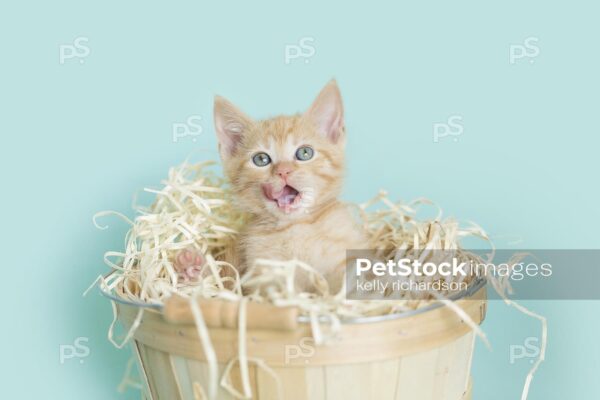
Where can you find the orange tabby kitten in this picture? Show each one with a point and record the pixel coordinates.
(286, 172)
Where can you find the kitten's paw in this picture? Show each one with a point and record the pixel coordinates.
(188, 264)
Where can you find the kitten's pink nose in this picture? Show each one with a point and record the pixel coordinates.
(283, 169)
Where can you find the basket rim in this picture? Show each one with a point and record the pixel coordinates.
(478, 283)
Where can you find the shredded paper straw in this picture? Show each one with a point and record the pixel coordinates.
(193, 212)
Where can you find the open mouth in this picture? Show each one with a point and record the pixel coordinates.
(287, 199)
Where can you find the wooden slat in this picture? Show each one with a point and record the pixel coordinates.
(444, 372)
(315, 383)
(146, 393)
(458, 380)
(160, 374)
(296, 383)
(291, 381)
(199, 373)
(469, 393)
(417, 376)
(236, 378)
(182, 377)
(375, 380)
(219, 313)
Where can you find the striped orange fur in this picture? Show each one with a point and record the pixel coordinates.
(292, 201)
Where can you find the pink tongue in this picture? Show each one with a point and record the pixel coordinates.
(287, 196)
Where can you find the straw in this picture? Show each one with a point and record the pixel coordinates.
(209, 351)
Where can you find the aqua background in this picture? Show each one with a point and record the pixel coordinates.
(78, 138)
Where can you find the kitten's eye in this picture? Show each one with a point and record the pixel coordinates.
(261, 159)
(305, 153)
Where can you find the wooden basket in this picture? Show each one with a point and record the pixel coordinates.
(423, 355)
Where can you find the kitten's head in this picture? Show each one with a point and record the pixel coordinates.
(284, 166)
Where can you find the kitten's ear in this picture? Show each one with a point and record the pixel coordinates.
(230, 124)
(327, 112)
